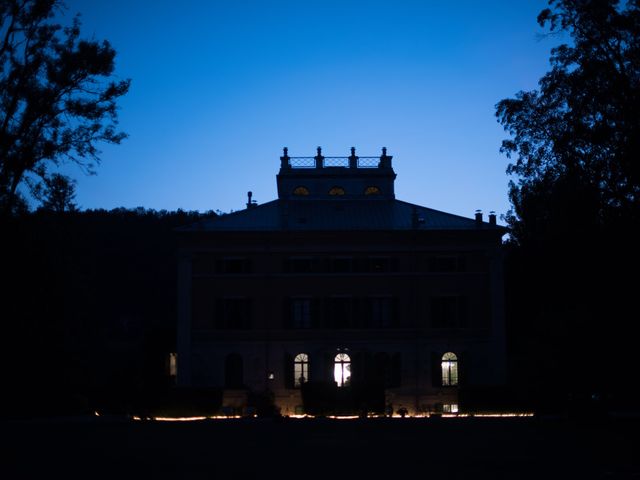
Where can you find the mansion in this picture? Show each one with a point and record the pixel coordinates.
(338, 297)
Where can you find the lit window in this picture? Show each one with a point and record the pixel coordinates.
(336, 191)
(173, 364)
(372, 191)
(450, 408)
(302, 191)
(342, 370)
(301, 369)
(449, 369)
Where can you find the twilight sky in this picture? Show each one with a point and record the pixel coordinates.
(219, 87)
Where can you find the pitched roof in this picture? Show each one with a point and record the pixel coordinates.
(336, 215)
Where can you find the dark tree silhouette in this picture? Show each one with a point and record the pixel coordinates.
(89, 304)
(58, 193)
(583, 123)
(57, 95)
(575, 200)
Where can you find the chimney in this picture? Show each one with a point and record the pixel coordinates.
(478, 218)
(250, 203)
(492, 218)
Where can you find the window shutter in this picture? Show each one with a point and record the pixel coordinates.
(391, 264)
(357, 367)
(288, 370)
(463, 311)
(355, 313)
(329, 321)
(395, 312)
(247, 314)
(287, 317)
(218, 314)
(462, 263)
(436, 369)
(328, 367)
(463, 369)
(396, 370)
(316, 313)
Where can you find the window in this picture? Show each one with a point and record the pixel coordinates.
(381, 312)
(446, 264)
(379, 264)
(449, 311)
(449, 369)
(341, 265)
(233, 265)
(301, 313)
(232, 313)
(301, 265)
(173, 364)
(375, 264)
(372, 190)
(301, 369)
(336, 191)
(342, 370)
(450, 408)
(301, 191)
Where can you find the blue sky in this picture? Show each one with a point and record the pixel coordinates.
(219, 87)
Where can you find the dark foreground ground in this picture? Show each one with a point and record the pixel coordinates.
(463, 448)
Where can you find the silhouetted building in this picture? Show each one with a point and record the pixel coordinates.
(336, 286)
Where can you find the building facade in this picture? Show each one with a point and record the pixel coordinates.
(338, 293)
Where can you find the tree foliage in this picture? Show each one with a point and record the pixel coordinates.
(58, 194)
(89, 305)
(575, 193)
(580, 132)
(58, 95)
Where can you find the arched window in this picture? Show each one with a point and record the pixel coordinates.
(342, 370)
(372, 190)
(336, 191)
(449, 369)
(301, 191)
(301, 369)
(233, 371)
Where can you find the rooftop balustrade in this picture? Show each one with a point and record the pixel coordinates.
(321, 162)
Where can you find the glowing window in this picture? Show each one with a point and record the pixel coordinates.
(173, 364)
(302, 191)
(449, 369)
(336, 191)
(372, 191)
(301, 369)
(450, 408)
(342, 370)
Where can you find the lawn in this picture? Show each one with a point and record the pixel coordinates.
(469, 448)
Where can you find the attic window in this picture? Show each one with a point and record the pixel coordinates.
(372, 190)
(302, 191)
(336, 191)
